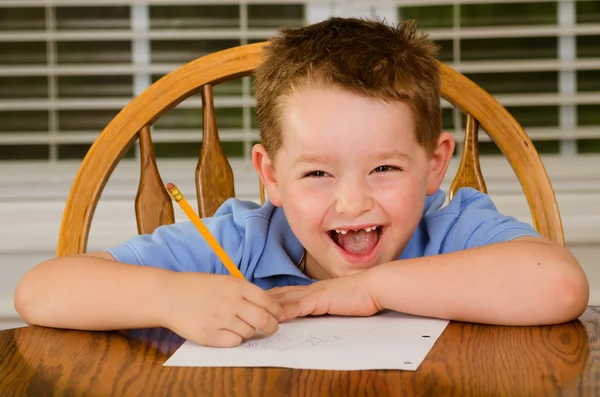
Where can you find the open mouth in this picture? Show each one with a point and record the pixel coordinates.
(357, 242)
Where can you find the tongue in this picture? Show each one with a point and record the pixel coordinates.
(358, 243)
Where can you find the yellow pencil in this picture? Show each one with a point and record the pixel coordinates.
(212, 242)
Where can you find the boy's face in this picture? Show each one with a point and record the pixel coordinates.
(350, 177)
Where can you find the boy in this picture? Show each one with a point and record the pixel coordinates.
(352, 157)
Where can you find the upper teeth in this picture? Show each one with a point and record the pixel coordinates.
(368, 229)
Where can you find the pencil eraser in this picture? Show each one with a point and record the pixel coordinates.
(170, 186)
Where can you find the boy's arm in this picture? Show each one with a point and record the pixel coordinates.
(93, 292)
(527, 281)
(124, 287)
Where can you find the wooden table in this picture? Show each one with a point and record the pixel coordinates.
(467, 360)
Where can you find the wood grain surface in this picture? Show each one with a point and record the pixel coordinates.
(467, 360)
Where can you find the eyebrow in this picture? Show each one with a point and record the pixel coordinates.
(391, 154)
(312, 159)
(324, 159)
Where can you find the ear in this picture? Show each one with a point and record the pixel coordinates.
(439, 162)
(265, 169)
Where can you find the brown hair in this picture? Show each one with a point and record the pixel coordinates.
(363, 56)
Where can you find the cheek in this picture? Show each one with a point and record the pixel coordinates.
(308, 193)
(306, 203)
(403, 199)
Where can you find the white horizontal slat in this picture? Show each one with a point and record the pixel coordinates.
(582, 98)
(542, 134)
(544, 99)
(235, 135)
(460, 33)
(405, 3)
(111, 103)
(127, 34)
(496, 66)
(413, 3)
(526, 65)
(86, 70)
(216, 34)
(225, 135)
(95, 3)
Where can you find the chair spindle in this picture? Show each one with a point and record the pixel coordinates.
(214, 176)
(469, 172)
(153, 205)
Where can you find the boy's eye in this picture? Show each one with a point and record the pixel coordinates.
(316, 174)
(385, 168)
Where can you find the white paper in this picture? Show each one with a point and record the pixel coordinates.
(388, 340)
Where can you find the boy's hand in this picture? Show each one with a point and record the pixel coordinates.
(346, 296)
(217, 310)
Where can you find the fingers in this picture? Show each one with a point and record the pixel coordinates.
(260, 298)
(305, 306)
(233, 334)
(301, 308)
(297, 301)
(280, 290)
(240, 327)
(225, 338)
(243, 326)
(290, 296)
(290, 312)
(259, 318)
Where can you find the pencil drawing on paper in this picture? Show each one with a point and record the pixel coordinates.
(284, 342)
(326, 343)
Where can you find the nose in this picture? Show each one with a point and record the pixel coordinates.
(353, 198)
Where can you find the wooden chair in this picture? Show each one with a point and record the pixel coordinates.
(214, 177)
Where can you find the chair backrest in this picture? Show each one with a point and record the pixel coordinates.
(214, 177)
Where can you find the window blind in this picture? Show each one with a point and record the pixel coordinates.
(67, 67)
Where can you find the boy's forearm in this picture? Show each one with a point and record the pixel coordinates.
(523, 282)
(85, 292)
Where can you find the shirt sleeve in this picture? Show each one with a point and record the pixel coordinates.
(473, 221)
(180, 247)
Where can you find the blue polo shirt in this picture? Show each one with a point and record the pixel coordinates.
(260, 240)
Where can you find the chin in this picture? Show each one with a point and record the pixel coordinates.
(348, 269)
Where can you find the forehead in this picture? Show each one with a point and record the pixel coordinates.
(316, 116)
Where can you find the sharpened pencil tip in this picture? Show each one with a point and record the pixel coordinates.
(170, 186)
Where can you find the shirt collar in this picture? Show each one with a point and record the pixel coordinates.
(283, 254)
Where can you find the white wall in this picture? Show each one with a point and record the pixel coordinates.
(32, 198)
